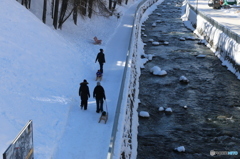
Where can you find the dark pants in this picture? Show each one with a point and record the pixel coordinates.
(99, 103)
(84, 103)
(101, 67)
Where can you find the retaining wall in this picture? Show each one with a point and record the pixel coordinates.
(123, 142)
(221, 40)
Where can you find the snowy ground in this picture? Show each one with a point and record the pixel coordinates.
(40, 72)
(41, 69)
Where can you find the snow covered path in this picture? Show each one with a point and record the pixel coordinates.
(84, 137)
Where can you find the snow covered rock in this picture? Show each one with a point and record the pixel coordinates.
(180, 149)
(155, 43)
(162, 73)
(183, 79)
(165, 43)
(154, 24)
(143, 61)
(144, 114)
(155, 70)
(158, 21)
(182, 39)
(150, 40)
(201, 56)
(161, 109)
(149, 56)
(169, 110)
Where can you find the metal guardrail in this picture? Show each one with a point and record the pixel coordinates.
(132, 51)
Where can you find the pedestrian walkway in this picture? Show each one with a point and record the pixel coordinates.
(92, 141)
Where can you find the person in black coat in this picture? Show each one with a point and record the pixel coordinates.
(99, 95)
(101, 59)
(84, 94)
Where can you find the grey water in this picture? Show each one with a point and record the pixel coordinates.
(211, 120)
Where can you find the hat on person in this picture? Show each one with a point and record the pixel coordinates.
(98, 83)
(84, 82)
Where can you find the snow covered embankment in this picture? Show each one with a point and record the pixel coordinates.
(124, 144)
(221, 40)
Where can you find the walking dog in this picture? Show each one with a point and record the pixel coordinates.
(98, 75)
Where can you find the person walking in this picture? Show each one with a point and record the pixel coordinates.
(84, 94)
(101, 59)
(99, 95)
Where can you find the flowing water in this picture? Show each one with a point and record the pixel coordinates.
(211, 120)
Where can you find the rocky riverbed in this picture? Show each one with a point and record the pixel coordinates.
(210, 119)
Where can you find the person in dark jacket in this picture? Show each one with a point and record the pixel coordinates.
(101, 59)
(99, 95)
(84, 94)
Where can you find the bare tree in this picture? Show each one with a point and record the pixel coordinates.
(52, 8)
(62, 13)
(44, 11)
(83, 7)
(75, 11)
(55, 17)
(90, 6)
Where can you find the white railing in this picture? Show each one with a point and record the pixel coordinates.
(123, 142)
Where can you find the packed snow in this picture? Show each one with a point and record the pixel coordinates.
(41, 69)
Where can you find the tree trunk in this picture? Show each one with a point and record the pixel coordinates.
(44, 11)
(114, 5)
(52, 8)
(110, 5)
(55, 17)
(29, 4)
(75, 11)
(62, 13)
(90, 7)
(83, 7)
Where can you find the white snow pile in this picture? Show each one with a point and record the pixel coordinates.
(150, 40)
(144, 114)
(182, 39)
(157, 71)
(183, 79)
(161, 109)
(147, 57)
(169, 110)
(166, 43)
(154, 24)
(155, 43)
(180, 149)
(201, 56)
